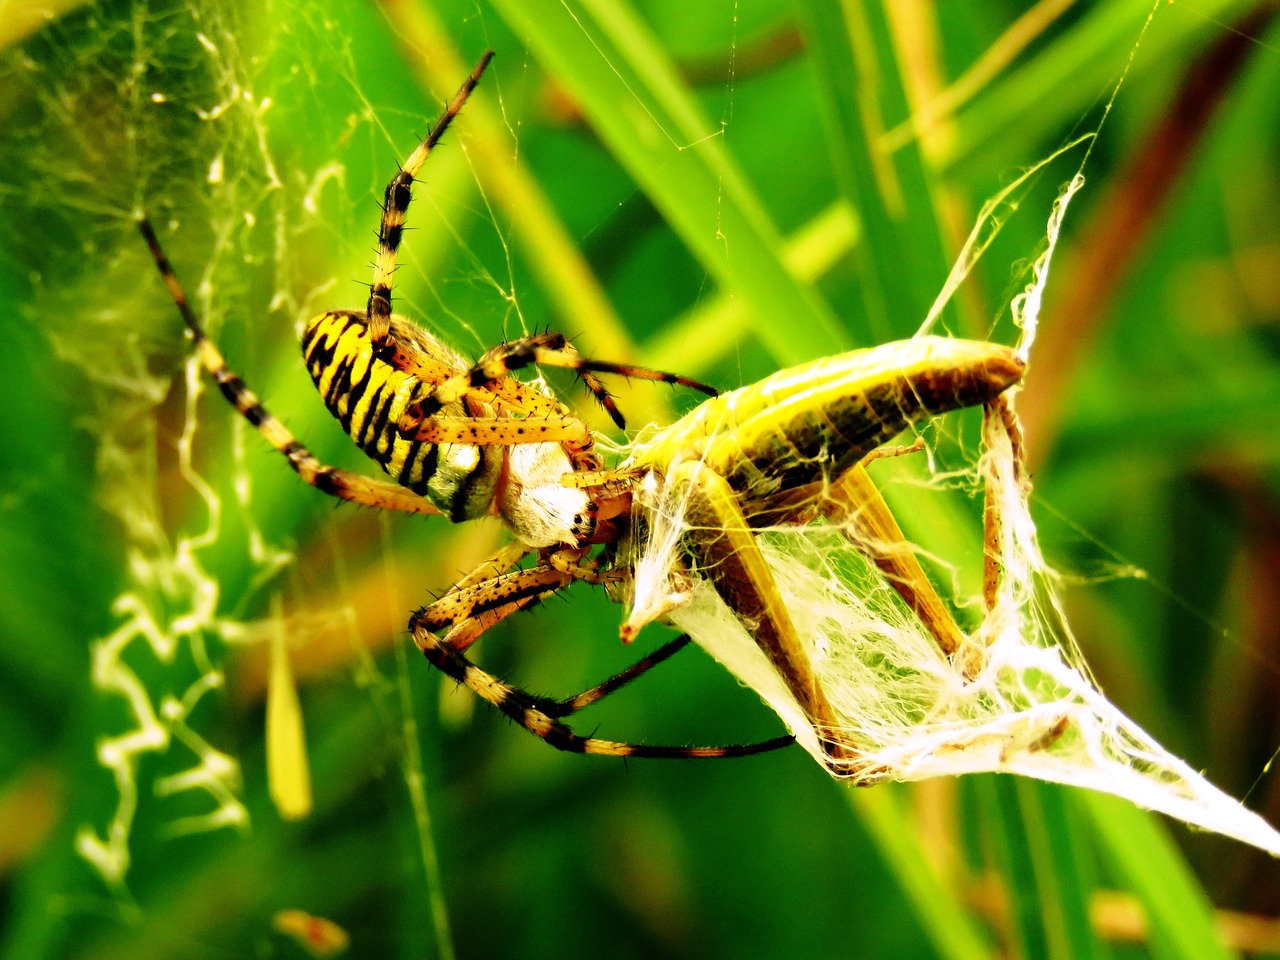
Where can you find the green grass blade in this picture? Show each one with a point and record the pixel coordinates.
(1039, 848)
(652, 124)
(1079, 67)
(902, 262)
(947, 924)
(1179, 916)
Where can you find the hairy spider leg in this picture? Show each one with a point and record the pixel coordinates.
(570, 705)
(343, 484)
(497, 431)
(551, 349)
(494, 587)
(396, 204)
(470, 611)
(548, 350)
(541, 715)
(506, 592)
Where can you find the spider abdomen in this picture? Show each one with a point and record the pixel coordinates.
(368, 397)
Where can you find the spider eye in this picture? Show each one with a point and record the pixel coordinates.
(584, 525)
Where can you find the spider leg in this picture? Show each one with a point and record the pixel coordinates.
(492, 592)
(527, 711)
(562, 708)
(469, 611)
(506, 557)
(396, 204)
(542, 418)
(343, 484)
(464, 634)
(500, 431)
(486, 602)
(548, 350)
(608, 482)
(572, 564)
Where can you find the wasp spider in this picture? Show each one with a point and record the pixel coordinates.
(466, 440)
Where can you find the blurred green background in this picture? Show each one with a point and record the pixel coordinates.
(720, 188)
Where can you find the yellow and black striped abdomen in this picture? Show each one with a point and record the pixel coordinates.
(368, 397)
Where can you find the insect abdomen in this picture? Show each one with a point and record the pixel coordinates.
(820, 418)
(368, 396)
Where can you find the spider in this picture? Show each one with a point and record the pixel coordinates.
(466, 440)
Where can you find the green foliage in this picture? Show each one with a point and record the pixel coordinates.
(694, 183)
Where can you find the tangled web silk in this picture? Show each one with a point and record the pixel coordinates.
(1025, 704)
(1031, 709)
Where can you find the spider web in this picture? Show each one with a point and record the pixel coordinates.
(258, 159)
(258, 154)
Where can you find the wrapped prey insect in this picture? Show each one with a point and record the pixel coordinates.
(720, 490)
(756, 530)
